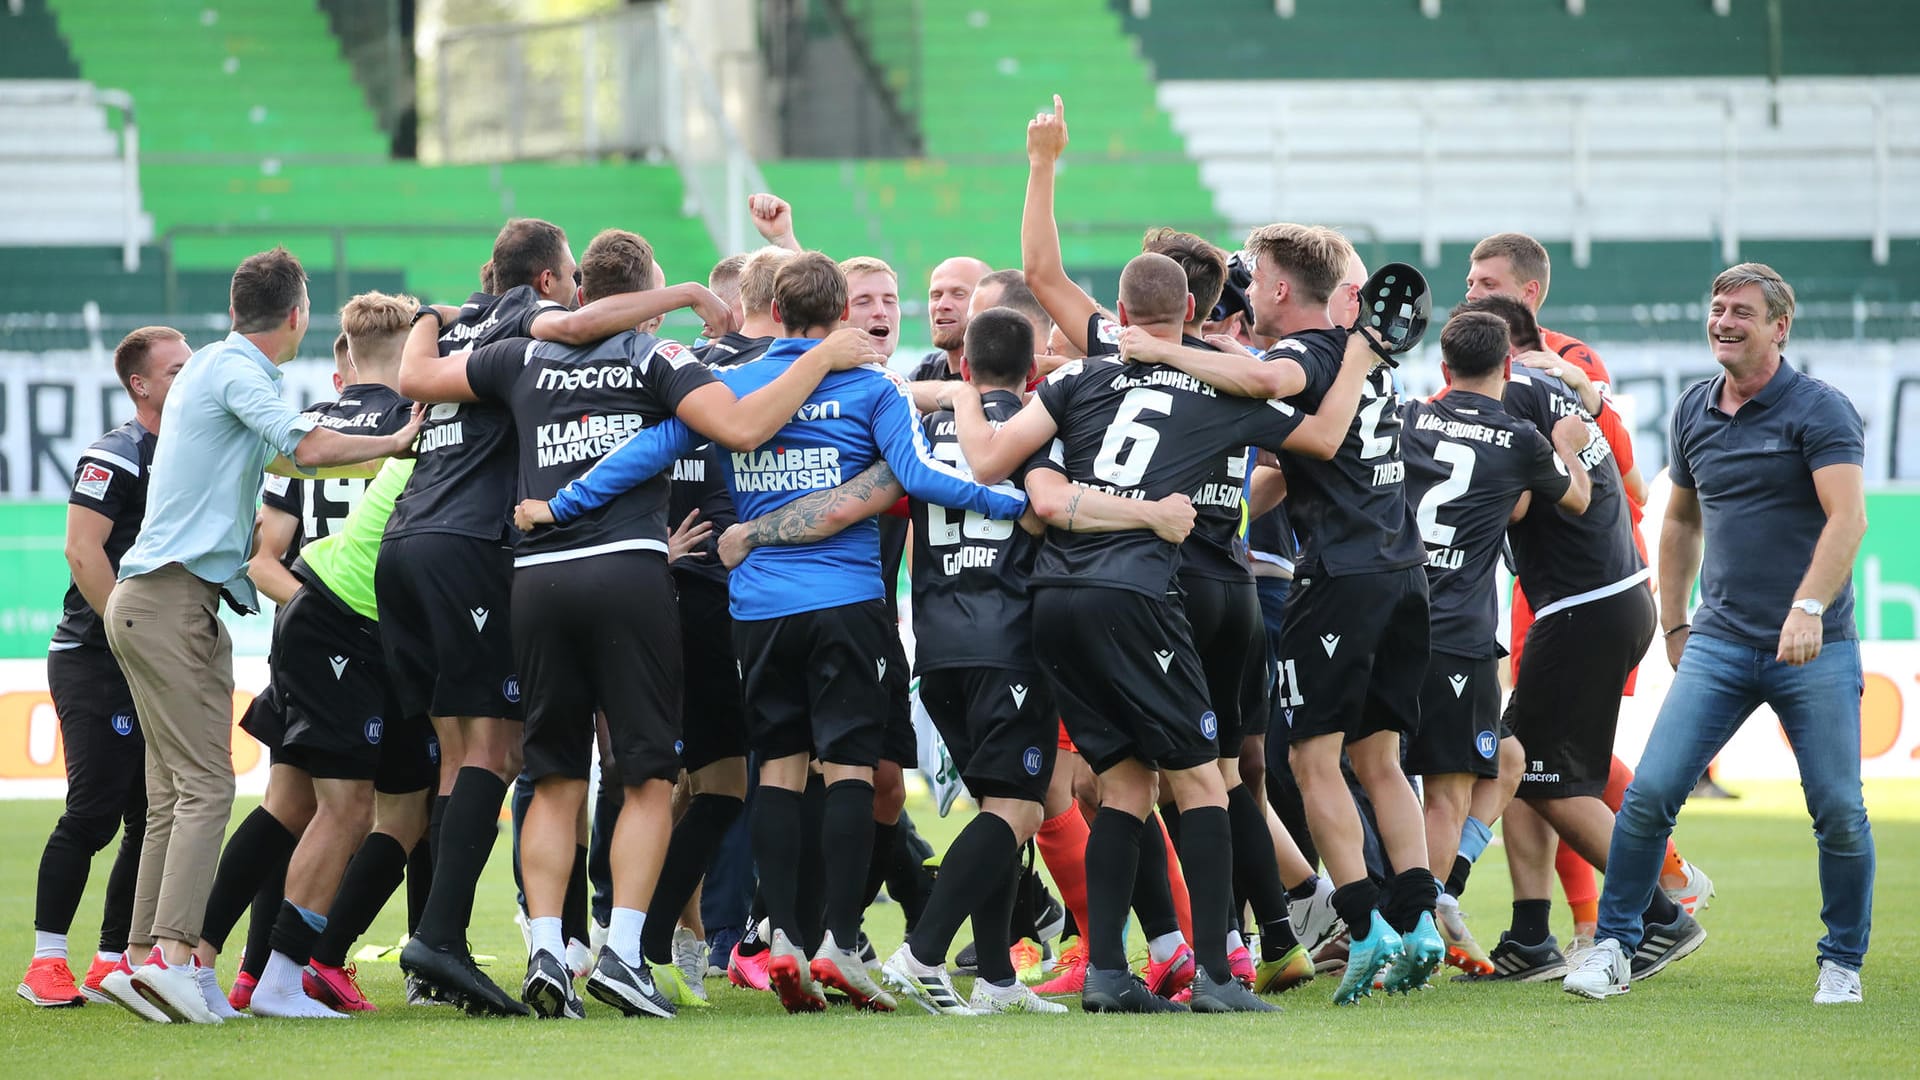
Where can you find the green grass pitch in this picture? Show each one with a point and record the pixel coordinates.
(1741, 1006)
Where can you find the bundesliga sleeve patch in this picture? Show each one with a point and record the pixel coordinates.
(676, 354)
(277, 485)
(1292, 345)
(1109, 332)
(94, 481)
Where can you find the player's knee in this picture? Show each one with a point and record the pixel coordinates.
(89, 831)
(1839, 820)
(1513, 758)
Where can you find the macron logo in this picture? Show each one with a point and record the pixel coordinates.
(1019, 696)
(338, 664)
(1329, 642)
(1165, 658)
(1458, 682)
(818, 410)
(880, 667)
(479, 619)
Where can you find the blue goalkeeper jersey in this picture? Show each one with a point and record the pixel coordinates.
(851, 420)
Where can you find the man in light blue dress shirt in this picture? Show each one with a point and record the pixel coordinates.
(226, 423)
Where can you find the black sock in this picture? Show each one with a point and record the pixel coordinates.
(885, 840)
(1206, 854)
(847, 851)
(694, 841)
(1305, 889)
(606, 812)
(1152, 897)
(255, 849)
(1412, 895)
(810, 901)
(1354, 904)
(419, 881)
(992, 938)
(1457, 879)
(1257, 871)
(467, 832)
(1113, 857)
(292, 936)
(573, 906)
(751, 943)
(777, 841)
(265, 911)
(1170, 816)
(1661, 910)
(371, 877)
(983, 853)
(1530, 921)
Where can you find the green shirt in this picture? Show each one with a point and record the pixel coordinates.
(344, 561)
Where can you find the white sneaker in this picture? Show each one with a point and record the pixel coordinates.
(690, 956)
(1314, 919)
(1694, 896)
(215, 997)
(843, 970)
(925, 985)
(1837, 985)
(579, 960)
(1601, 972)
(118, 986)
(173, 990)
(526, 928)
(1578, 947)
(990, 1000)
(596, 936)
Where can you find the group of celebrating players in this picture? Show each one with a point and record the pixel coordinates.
(1137, 536)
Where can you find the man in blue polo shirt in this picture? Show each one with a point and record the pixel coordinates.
(1766, 468)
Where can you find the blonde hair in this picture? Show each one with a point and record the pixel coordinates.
(1527, 256)
(756, 279)
(376, 324)
(1313, 257)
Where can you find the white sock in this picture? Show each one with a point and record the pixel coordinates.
(47, 945)
(1161, 949)
(545, 933)
(623, 934)
(1235, 942)
(281, 977)
(109, 957)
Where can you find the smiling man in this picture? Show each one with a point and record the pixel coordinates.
(949, 291)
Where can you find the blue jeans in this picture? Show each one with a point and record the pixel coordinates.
(1718, 686)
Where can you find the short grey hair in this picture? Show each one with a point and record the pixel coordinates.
(1779, 294)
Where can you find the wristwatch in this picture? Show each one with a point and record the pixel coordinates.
(1811, 606)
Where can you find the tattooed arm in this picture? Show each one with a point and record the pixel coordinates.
(814, 517)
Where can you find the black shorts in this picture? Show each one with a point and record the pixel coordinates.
(1353, 653)
(899, 744)
(713, 716)
(445, 626)
(1232, 643)
(815, 682)
(1566, 699)
(264, 719)
(1125, 676)
(600, 632)
(999, 726)
(1460, 722)
(106, 756)
(330, 678)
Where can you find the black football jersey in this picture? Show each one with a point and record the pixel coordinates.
(1556, 554)
(463, 470)
(699, 483)
(1270, 537)
(573, 405)
(111, 480)
(1141, 431)
(1349, 514)
(970, 573)
(1468, 463)
(321, 505)
(933, 368)
(1214, 549)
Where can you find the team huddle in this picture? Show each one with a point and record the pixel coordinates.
(1203, 608)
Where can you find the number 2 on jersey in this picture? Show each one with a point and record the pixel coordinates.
(1130, 444)
(1460, 460)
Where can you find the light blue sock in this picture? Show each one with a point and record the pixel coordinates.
(313, 919)
(1474, 838)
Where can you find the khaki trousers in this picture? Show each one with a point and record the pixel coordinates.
(165, 630)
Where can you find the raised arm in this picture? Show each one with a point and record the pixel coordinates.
(611, 315)
(773, 220)
(814, 516)
(425, 375)
(1235, 372)
(744, 423)
(995, 453)
(1072, 507)
(1040, 258)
